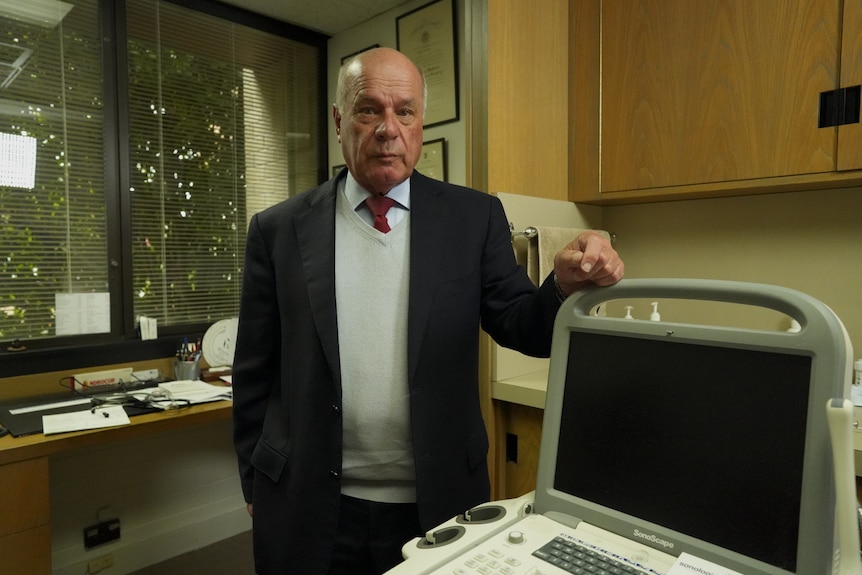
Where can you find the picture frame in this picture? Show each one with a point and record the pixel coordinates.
(432, 162)
(426, 35)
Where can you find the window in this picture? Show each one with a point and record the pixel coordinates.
(141, 192)
(53, 219)
(219, 127)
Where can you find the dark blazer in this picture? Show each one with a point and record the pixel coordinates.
(286, 374)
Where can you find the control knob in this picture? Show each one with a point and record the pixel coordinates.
(515, 537)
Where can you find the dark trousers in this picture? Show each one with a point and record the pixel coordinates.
(371, 534)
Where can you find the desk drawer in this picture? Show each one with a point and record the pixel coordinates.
(27, 552)
(24, 496)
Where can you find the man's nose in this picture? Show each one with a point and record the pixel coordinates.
(386, 128)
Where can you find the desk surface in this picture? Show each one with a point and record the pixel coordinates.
(14, 449)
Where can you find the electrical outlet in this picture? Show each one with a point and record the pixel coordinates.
(100, 563)
(108, 377)
(102, 532)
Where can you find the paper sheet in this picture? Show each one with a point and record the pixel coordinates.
(196, 391)
(80, 313)
(108, 416)
(191, 391)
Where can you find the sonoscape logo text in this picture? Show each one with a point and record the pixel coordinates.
(653, 539)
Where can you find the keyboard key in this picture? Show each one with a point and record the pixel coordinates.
(581, 560)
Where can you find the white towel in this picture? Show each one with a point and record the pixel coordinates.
(537, 253)
(521, 247)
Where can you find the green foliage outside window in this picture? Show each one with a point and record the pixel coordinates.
(222, 122)
(187, 186)
(53, 236)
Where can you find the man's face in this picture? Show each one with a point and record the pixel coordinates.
(380, 128)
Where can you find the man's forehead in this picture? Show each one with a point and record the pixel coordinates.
(402, 93)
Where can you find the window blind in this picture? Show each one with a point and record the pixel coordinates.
(219, 128)
(223, 121)
(52, 211)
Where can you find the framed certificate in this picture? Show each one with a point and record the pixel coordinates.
(432, 162)
(427, 36)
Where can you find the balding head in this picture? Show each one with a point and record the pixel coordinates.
(380, 100)
(352, 69)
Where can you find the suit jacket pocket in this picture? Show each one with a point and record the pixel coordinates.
(268, 461)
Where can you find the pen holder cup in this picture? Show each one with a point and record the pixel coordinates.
(184, 370)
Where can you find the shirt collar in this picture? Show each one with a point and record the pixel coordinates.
(356, 194)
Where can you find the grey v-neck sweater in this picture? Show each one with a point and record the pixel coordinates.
(372, 280)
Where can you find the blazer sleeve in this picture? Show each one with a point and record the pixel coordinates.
(514, 312)
(256, 360)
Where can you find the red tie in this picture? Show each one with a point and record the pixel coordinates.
(379, 205)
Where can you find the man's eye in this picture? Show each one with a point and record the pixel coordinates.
(405, 112)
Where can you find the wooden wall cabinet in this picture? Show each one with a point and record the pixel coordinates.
(527, 98)
(674, 99)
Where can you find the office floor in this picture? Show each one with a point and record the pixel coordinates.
(232, 556)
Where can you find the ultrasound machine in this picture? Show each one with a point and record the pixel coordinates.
(675, 448)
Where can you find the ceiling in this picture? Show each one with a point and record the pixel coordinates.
(327, 16)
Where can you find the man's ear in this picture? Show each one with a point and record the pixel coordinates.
(337, 118)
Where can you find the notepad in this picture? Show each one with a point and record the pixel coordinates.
(107, 416)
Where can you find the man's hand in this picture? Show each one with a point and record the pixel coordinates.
(589, 258)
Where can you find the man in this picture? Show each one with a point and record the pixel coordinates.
(356, 411)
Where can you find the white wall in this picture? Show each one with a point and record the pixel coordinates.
(173, 492)
(808, 241)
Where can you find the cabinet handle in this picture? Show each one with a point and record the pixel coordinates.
(512, 447)
(839, 107)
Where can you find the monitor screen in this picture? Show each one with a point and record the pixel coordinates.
(704, 440)
(710, 440)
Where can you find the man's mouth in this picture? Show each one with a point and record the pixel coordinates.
(388, 157)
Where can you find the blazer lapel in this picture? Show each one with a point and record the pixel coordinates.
(428, 216)
(315, 230)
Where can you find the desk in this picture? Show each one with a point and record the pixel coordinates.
(25, 529)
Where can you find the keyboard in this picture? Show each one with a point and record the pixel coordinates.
(581, 560)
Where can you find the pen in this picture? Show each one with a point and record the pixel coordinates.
(188, 351)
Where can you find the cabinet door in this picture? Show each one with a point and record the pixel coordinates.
(528, 93)
(699, 93)
(25, 533)
(24, 496)
(850, 135)
(518, 445)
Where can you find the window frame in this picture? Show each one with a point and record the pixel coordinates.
(123, 344)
